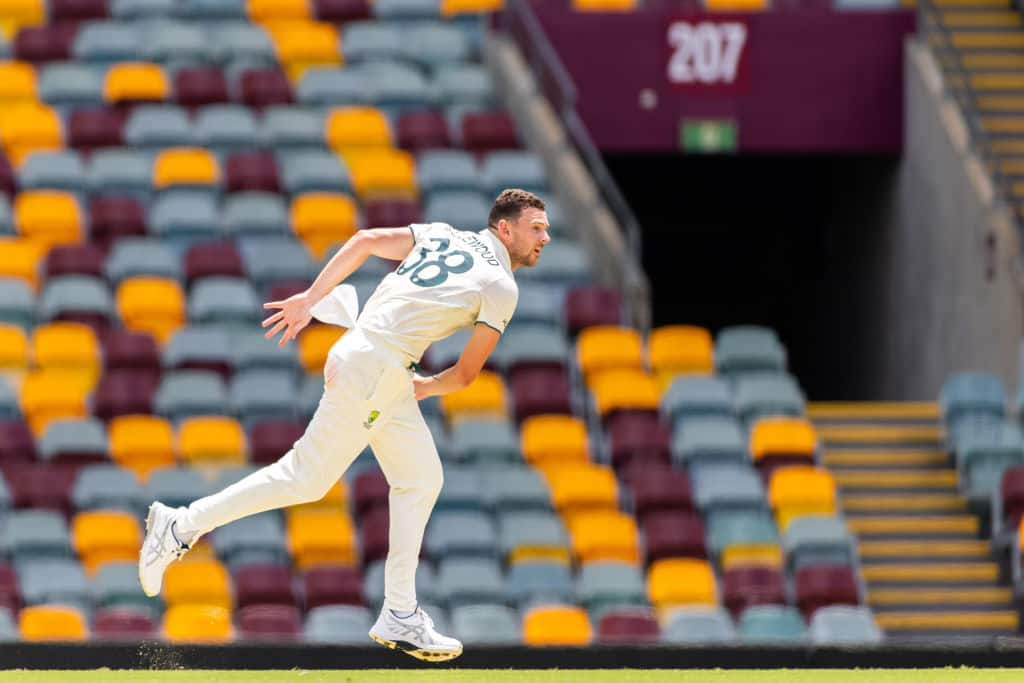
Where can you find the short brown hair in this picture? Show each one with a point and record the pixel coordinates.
(510, 203)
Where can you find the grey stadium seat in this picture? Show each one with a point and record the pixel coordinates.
(772, 624)
(250, 350)
(154, 126)
(75, 294)
(441, 170)
(728, 486)
(106, 42)
(242, 41)
(262, 394)
(142, 9)
(509, 168)
(604, 585)
(485, 441)
(10, 408)
(693, 625)
(696, 396)
(844, 625)
(747, 527)
(531, 528)
(184, 218)
(763, 395)
(461, 534)
(258, 539)
(515, 487)
(176, 486)
(286, 127)
(116, 584)
(225, 128)
(6, 217)
(394, 84)
(444, 352)
(175, 44)
(121, 171)
(563, 263)
(70, 84)
(225, 301)
(108, 487)
(338, 624)
(818, 539)
(972, 393)
(433, 44)
(254, 213)
(462, 209)
(54, 581)
(527, 344)
(462, 490)
(406, 10)
(709, 440)
(85, 437)
(17, 303)
(53, 170)
(749, 348)
(133, 256)
(464, 84)
(274, 259)
(368, 40)
(186, 393)
(196, 344)
(464, 581)
(331, 87)
(486, 624)
(314, 170)
(34, 534)
(539, 581)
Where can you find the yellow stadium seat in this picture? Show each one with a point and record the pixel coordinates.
(198, 624)
(450, 8)
(554, 439)
(153, 305)
(336, 498)
(199, 581)
(17, 14)
(382, 173)
(755, 554)
(321, 537)
(212, 440)
(624, 390)
(801, 490)
(484, 396)
(582, 486)
(604, 535)
(546, 553)
(68, 346)
(102, 536)
(735, 5)
(134, 81)
(185, 166)
(556, 625)
(323, 219)
(353, 128)
(680, 349)
(20, 259)
(52, 623)
(48, 395)
(277, 10)
(48, 216)
(788, 437)
(301, 44)
(27, 127)
(608, 347)
(677, 581)
(604, 5)
(14, 357)
(17, 82)
(314, 343)
(141, 443)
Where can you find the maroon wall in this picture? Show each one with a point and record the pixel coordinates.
(811, 80)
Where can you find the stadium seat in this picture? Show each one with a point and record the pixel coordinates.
(51, 394)
(124, 350)
(251, 171)
(134, 82)
(382, 173)
(532, 535)
(184, 217)
(447, 170)
(673, 534)
(768, 395)
(484, 131)
(16, 442)
(197, 581)
(107, 487)
(450, 8)
(270, 439)
(322, 220)
(253, 213)
(776, 442)
(52, 623)
(49, 217)
(485, 396)
(731, 529)
(271, 259)
(763, 624)
(40, 44)
(187, 393)
(530, 346)
(485, 441)
(14, 354)
(698, 624)
(680, 349)
(462, 491)
(744, 587)
(69, 347)
(37, 534)
(465, 84)
(548, 440)
(52, 170)
(460, 534)
(513, 487)
(460, 208)
(731, 486)
(288, 128)
(188, 167)
(816, 539)
(972, 393)
(29, 127)
(691, 396)
(317, 537)
(983, 453)
(556, 625)
(844, 625)
(121, 172)
(174, 44)
(197, 623)
(314, 171)
(396, 211)
(708, 440)
(258, 539)
(338, 624)
(79, 441)
(604, 535)
(314, 343)
(261, 394)
(263, 584)
(598, 307)
(122, 624)
(211, 440)
(302, 44)
(92, 129)
(74, 259)
(200, 86)
(624, 390)
(54, 581)
(141, 443)
(264, 87)
(371, 40)
(77, 299)
(332, 585)
(464, 581)
(578, 487)
(332, 87)
(343, 11)
(818, 586)
(153, 305)
(353, 128)
(104, 536)
(748, 349)
(20, 260)
(676, 582)
(638, 440)
(223, 128)
(418, 131)
(70, 85)
(210, 259)
(17, 302)
(628, 626)
(486, 624)
(798, 490)
(532, 582)
(250, 350)
(606, 347)
(225, 301)
(269, 623)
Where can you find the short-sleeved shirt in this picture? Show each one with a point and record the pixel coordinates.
(451, 279)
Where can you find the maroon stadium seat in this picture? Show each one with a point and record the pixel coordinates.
(660, 489)
(422, 130)
(213, 258)
(125, 392)
(74, 259)
(10, 594)
(286, 288)
(488, 131)
(536, 392)
(124, 350)
(674, 534)
(200, 86)
(820, 585)
(745, 586)
(123, 623)
(392, 212)
(638, 438)
(77, 10)
(587, 306)
(265, 87)
(373, 534)
(342, 10)
(90, 129)
(264, 584)
(269, 622)
(111, 218)
(41, 485)
(333, 585)
(370, 490)
(270, 439)
(8, 182)
(622, 626)
(1012, 492)
(45, 43)
(16, 442)
(252, 171)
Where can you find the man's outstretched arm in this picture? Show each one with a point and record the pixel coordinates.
(293, 313)
(478, 349)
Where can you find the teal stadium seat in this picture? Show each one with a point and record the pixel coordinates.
(177, 486)
(54, 581)
(53, 170)
(486, 624)
(225, 128)
(748, 349)
(263, 394)
(435, 44)
(187, 393)
(175, 44)
(78, 439)
(121, 172)
(208, 10)
(727, 486)
(247, 214)
(37, 534)
(269, 259)
(338, 625)
(515, 487)
(844, 625)
(108, 487)
(699, 626)
(605, 585)
(135, 256)
(314, 170)
(485, 441)
(152, 127)
(464, 84)
(539, 582)
(250, 350)
(289, 128)
(106, 42)
(116, 584)
(75, 294)
(224, 301)
(462, 490)
(818, 539)
(17, 303)
(530, 529)
(745, 527)
(464, 581)
(983, 455)
(396, 86)
(452, 534)
(761, 624)
(443, 170)
(184, 218)
(333, 87)
(369, 40)
(708, 440)
(197, 346)
(764, 395)
(259, 539)
(972, 393)
(696, 396)
(527, 344)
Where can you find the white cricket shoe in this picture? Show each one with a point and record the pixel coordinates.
(414, 635)
(159, 548)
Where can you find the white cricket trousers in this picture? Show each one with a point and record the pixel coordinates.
(362, 375)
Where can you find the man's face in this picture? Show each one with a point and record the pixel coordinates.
(529, 234)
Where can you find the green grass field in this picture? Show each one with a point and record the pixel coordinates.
(947, 675)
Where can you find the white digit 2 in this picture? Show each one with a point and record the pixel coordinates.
(708, 53)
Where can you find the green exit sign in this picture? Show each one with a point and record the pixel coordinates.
(708, 136)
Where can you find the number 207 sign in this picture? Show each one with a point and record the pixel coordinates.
(707, 55)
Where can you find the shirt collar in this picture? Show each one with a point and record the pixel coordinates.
(499, 249)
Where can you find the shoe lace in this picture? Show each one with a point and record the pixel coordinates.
(426, 618)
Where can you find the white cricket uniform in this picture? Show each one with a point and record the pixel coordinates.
(451, 279)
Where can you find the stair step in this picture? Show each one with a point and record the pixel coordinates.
(981, 595)
(920, 502)
(992, 60)
(896, 479)
(1003, 124)
(1008, 146)
(913, 525)
(973, 3)
(918, 573)
(999, 39)
(1000, 103)
(994, 19)
(885, 458)
(879, 434)
(873, 410)
(924, 548)
(1012, 166)
(959, 621)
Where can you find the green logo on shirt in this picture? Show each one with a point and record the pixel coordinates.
(374, 414)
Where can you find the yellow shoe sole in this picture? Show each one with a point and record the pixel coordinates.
(418, 653)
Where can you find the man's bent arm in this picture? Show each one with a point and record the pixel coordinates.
(389, 243)
(478, 349)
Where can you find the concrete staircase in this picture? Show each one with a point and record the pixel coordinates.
(928, 572)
